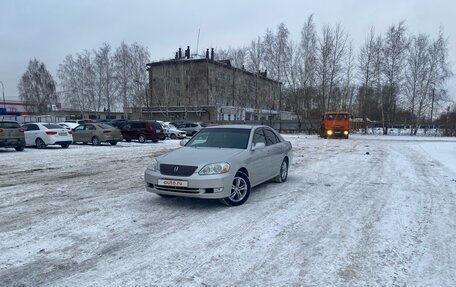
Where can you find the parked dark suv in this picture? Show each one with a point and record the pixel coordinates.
(12, 135)
(142, 131)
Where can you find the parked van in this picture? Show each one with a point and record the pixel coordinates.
(143, 131)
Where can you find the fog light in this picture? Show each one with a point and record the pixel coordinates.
(346, 133)
(219, 189)
(329, 132)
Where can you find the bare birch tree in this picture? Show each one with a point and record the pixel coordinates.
(308, 66)
(325, 48)
(366, 67)
(123, 75)
(139, 58)
(348, 80)
(104, 67)
(393, 65)
(427, 67)
(337, 56)
(254, 63)
(37, 87)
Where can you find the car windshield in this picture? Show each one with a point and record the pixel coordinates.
(221, 138)
(337, 117)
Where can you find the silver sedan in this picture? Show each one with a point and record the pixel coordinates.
(221, 162)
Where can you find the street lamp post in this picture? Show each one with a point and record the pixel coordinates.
(3, 91)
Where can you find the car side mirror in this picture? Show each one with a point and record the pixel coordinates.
(258, 146)
(183, 142)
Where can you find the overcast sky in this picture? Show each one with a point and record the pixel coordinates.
(51, 29)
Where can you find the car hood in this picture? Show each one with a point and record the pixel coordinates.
(198, 156)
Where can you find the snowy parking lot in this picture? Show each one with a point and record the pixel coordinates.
(367, 211)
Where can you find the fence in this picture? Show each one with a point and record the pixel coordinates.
(36, 119)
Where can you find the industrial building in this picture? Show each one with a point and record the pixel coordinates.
(202, 88)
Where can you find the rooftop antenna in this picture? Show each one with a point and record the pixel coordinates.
(197, 41)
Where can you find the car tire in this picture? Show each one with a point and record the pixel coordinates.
(142, 138)
(40, 143)
(128, 140)
(172, 136)
(84, 142)
(154, 141)
(19, 148)
(113, 142)
(96, 141)
(65, 145)
(283, 175)
(240, 190)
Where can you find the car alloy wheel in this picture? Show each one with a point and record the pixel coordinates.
(141, 139)
(284, 170)
(240, 190)
(173, 136)
(40, 143)
(282, 177)
(95, 141)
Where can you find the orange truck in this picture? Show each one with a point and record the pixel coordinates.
(335, 124)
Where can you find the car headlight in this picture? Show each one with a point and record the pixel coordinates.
(153, 165)
(329, 132)
(215, 168)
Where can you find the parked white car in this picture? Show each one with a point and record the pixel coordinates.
(172, 132)
(221, 162)
(44, 134)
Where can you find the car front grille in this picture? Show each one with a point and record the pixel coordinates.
(177, 189)
(177, 170)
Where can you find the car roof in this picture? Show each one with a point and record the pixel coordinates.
(237, 126)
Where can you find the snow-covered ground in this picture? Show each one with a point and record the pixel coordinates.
(367, 211)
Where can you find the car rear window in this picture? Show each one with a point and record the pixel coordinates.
(157, 125)
(9, 125)
(52, 126)
(105, 126)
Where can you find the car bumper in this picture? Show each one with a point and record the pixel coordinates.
(199, 186)
(181, 136)
(57, 140)
(12, 143)
(112, 138)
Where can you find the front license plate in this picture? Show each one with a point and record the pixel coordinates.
(172, 182)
